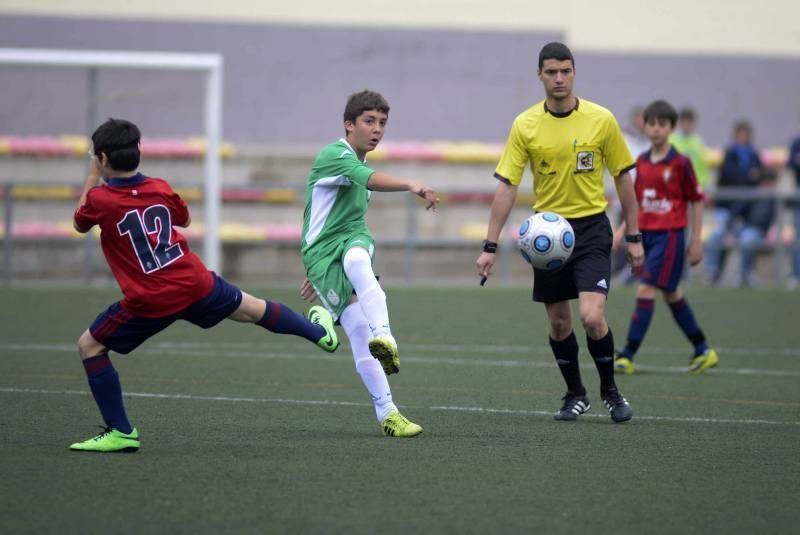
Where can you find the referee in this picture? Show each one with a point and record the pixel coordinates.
(567, 141)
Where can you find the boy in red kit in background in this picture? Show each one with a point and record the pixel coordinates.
(666, 187)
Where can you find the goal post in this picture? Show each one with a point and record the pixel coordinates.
(209, 64)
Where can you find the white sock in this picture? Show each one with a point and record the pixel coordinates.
(372, 375)
(358, 268)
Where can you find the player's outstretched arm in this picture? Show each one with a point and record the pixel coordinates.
(504, 196)
(383, 182)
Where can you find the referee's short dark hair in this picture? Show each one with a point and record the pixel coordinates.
(661, 109)
(555, 50)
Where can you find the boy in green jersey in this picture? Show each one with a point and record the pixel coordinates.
(337, 249)
(690, 144)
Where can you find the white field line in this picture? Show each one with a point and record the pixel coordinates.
(680, 349)
(268, 352)
(282, 401)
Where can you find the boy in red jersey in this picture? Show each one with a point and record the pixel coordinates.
(161, 279)
(665, 186)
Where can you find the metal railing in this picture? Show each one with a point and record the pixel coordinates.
(405, 236)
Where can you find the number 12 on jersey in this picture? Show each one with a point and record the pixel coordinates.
(154, 220)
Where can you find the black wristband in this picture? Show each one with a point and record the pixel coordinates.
(489, 246)
(633, 238)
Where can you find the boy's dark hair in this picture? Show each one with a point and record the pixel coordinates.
(661, 109)
(119, 140)
(555, 50)
(742, 125)
(362, 101)
(688, 114)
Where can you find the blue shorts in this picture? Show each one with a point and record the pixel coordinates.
(123, 332)
(663, 258)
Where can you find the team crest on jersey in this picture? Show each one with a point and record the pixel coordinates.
(667, 174)
(333, 299)
(584, 161)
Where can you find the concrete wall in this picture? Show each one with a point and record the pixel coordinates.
(286, 84)
(739, 27)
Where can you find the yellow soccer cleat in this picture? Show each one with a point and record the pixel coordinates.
(624, 365)
(397, 425)
(322, 317)
(384, 348)
(700, 363)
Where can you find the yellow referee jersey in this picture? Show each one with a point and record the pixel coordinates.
(567, 153)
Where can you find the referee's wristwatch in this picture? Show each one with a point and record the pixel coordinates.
(489, 246)
(633, 238)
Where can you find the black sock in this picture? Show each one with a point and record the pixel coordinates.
(566, 354)
(602, 352)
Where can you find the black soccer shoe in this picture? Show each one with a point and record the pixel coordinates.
(573, 407)
(617, 405)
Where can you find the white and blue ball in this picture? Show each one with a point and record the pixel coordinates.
(546, 240)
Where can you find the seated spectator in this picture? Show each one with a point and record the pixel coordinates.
(741, 169)
(755, 225)
(637, 143)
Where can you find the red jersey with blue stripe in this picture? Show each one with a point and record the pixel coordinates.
(664, 189)
(155, 269)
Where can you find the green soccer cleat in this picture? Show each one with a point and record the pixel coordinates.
(397, 425)
(322, 317)
(624, 365)
(110, 440)
(700, 363)
(384, 348)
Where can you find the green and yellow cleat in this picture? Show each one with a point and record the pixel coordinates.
(323, 318)
(700, 363)
(397, 425)
(384, 348)
(624, 365)
(110, 440)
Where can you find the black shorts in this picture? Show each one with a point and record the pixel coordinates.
(587, 270)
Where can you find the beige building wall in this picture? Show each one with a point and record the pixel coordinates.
(703, 27)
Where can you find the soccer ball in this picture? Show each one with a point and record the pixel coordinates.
(546, 240)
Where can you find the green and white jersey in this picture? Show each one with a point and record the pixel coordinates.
(336, 201)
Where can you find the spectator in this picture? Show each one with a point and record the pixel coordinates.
(741, 169)
(634, 134)
(637, 143)
(794, 165)
(688, 143)
(756, 223)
